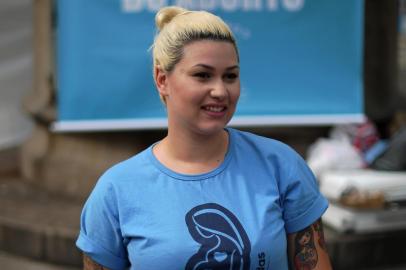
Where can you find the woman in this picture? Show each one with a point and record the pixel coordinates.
(206, 196)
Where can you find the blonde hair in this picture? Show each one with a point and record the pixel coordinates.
(178, 26)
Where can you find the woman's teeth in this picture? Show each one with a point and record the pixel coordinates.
(214, 109)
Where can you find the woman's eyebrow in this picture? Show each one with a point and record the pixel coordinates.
(212, 68)
(204, 66)
(233, 67)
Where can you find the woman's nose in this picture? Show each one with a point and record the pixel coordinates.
(219, 90)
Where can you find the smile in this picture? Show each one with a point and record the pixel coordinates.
(214, 108)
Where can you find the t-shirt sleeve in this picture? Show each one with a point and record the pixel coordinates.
(100, 235)
(302, 201)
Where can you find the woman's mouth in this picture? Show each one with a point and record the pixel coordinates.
(215, 109)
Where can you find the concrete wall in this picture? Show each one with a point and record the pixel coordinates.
(15, 70)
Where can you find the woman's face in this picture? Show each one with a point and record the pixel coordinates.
(305, 239)
(202, 90)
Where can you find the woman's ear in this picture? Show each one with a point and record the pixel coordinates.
(161, 79)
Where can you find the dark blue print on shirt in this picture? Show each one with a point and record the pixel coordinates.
(224, 244)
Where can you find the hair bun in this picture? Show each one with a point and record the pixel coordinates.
(166, 14)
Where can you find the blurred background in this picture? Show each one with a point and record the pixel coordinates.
(45, 176)
(16, 43)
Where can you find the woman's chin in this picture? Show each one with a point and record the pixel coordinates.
(212, 128)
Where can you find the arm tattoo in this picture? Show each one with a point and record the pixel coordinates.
(318, 228)
(305, 257)
(89, 264)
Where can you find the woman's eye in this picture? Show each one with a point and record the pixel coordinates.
(202, 75)
(231, 76)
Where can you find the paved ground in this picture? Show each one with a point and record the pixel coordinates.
(12, 262)
(37, 225)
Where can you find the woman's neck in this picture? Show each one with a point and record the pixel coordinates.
(192, 153)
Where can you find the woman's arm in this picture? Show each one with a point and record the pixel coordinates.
(307, 249)
(89, 264)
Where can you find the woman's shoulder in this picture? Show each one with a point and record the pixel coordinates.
(262, 144)
(129, 176)
(276, 153)
(128, 168)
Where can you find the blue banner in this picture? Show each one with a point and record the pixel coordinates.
(301, 61)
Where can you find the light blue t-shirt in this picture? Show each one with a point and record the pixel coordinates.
(145, 216)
